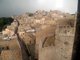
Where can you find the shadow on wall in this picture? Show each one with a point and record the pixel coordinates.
(4, 21)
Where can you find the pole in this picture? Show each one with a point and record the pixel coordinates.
(76, 46)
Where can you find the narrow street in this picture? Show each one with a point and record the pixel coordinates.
(26, 55)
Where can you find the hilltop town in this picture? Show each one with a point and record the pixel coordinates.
(41, 35)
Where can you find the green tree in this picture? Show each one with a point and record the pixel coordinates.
(1, 22)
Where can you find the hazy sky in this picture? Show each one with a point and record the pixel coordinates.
(15, 7)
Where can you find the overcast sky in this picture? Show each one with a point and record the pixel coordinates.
(16, 7)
